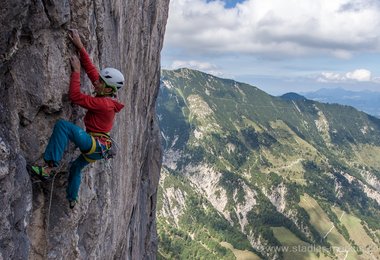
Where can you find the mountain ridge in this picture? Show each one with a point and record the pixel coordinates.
(256, 161)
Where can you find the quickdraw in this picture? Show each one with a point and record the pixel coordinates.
(105, 143)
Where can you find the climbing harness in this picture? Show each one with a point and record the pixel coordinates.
(105, 143)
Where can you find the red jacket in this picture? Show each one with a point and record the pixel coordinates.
(100, 110)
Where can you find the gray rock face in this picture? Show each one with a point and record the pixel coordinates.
(115, 218)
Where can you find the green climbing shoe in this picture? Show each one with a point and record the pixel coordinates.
(39, 172)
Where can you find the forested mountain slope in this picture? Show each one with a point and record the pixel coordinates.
(276, 177)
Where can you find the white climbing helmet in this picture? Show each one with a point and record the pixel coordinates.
(112, 77)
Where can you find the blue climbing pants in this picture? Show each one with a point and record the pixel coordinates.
(64, 132)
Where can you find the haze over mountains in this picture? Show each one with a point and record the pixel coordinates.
(246, 173)
(366, 101)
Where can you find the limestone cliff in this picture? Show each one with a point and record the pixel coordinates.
(116, 215)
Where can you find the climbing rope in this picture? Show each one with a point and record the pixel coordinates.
(48, 215)
(50, 200)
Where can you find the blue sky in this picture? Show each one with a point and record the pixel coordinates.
(229, 3)
(278, 46)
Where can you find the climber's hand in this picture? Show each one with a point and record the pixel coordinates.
(75, 38)
(75, 63)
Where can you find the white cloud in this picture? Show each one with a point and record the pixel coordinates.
(342, 54)
(330, 77)
(275, 27)
(197, 65)
(359, 75)
(376, 80)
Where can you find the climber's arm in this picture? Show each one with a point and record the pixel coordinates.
(87, 64)
(77, 97)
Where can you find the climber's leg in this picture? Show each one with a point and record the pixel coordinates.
(75, 173)
(62, 133)
(75, 178)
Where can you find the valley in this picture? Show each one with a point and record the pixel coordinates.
(246, 173)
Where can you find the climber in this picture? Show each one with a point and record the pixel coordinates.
(95, 142)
